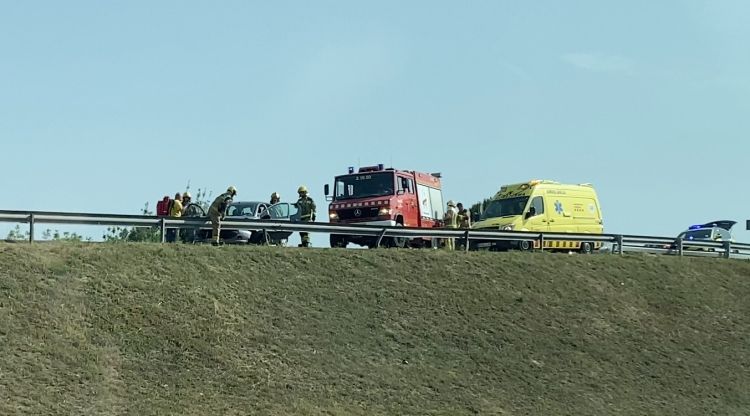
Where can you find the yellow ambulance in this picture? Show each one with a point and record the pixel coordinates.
(542, 206)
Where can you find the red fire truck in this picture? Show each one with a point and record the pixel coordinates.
(385, 196)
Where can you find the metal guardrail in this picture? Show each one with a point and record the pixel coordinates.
(614, 243)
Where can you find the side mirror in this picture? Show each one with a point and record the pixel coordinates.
(326, 189)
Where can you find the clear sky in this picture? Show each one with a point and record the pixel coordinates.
(107, 105)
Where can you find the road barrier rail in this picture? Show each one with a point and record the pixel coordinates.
(612, 243)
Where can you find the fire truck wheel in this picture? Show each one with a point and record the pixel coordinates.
(338, 241)
(397, 242)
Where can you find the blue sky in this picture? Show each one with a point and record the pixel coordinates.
(107, 105)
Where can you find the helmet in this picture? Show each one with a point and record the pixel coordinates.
(186, 195)
(232, 190)
(451, 203)
(275, 195)
(302, 189)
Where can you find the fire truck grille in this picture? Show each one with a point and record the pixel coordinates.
(364, 212)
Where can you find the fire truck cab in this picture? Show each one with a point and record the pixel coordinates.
(375, 195)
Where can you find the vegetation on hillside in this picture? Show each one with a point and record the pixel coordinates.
(145, 329)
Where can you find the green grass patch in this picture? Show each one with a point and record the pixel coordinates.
(142, 329)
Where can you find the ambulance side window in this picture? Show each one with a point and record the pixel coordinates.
(538, 204)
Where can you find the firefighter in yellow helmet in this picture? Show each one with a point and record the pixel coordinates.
(451, 221)
(306, 207)
(275, 198)
(190, 208)
(217, 210)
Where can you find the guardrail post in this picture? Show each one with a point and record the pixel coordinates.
(679, 246)
(727, 249)
(265, 237)
(466, 241)
(31, 228)
(163, 229)
(380, 238)
(541, 242)
(619, 245)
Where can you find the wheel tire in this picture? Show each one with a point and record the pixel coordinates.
(397, 242)
(587, 247)
(525, 245)
(338, 241)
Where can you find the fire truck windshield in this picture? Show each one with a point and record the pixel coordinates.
(505, 207)
(364, 185)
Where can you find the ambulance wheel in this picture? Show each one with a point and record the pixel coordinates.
(587, 247)
(525, 245)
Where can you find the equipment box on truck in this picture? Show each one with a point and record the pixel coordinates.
(385, 197)
(542, 206)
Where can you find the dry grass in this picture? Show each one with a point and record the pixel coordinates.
(186, 330)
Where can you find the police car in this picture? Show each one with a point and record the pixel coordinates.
(717, 231)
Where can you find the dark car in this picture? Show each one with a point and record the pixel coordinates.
(282, 211)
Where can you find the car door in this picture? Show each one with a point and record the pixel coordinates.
(278, 212)
(407, 203)
(536, 219)
(560, 215)
(282, 211)
(259, 210)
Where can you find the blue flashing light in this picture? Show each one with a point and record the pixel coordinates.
(695, 227)
(351, 169)
(380, 166)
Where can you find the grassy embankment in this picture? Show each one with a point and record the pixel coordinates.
(193, 330)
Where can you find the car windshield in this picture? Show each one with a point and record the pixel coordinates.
(364, 185)
(242, 209)
(505, 207)
(700, 234)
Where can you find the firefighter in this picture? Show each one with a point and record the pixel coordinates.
(217, 210)
(186, 199)
(306, 207)
(464, 221)
(175, 210)
(189, 209)
(275, 198)
(450, 218)
(464, 216)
